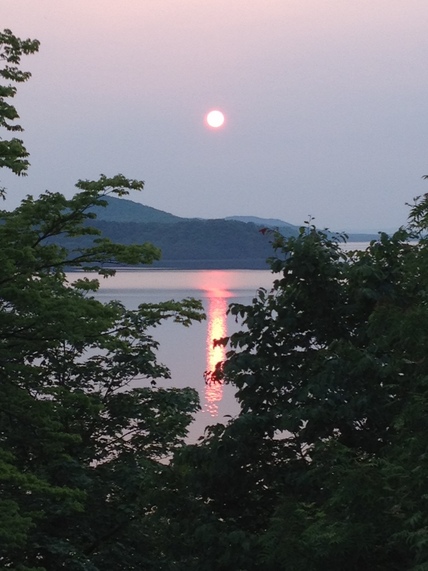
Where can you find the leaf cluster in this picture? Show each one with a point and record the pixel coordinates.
(13, 154)
(324, 467)
(85, 432)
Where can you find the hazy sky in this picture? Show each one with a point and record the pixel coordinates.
(326, 104)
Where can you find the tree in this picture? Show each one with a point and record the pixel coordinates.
(13, 154)
(325, 466)
(84, 430)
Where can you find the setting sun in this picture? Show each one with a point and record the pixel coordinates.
(215, 118)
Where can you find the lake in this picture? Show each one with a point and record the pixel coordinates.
(188, 351)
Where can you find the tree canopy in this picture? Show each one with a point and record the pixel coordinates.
(85, 430)
(325, 466)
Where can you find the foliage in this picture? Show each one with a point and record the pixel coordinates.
(326, 465)
(84, 430)
(13, 154)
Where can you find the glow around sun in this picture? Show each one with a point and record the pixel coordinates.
(215, 118)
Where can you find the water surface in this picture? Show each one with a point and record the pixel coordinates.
(189, 352)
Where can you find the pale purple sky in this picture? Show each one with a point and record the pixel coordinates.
(326, 104)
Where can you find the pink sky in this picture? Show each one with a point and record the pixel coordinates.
(326, 104)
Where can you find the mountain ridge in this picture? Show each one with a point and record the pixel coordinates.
(127, 210)
(188, 243)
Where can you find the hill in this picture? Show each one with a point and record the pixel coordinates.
(196, 244)
(193, 243)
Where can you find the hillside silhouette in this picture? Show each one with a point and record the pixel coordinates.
(235, 242)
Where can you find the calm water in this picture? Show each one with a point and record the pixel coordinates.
(188, 352)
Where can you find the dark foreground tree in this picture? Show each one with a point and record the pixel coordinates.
(84, 430)
(326, 466)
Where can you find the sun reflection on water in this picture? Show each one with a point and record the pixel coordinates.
(217, 307)
(217, 296)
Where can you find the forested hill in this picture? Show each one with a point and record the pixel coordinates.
(190, 243)
(193, 243)
(196, 244)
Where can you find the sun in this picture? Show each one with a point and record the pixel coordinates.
(215, 118)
